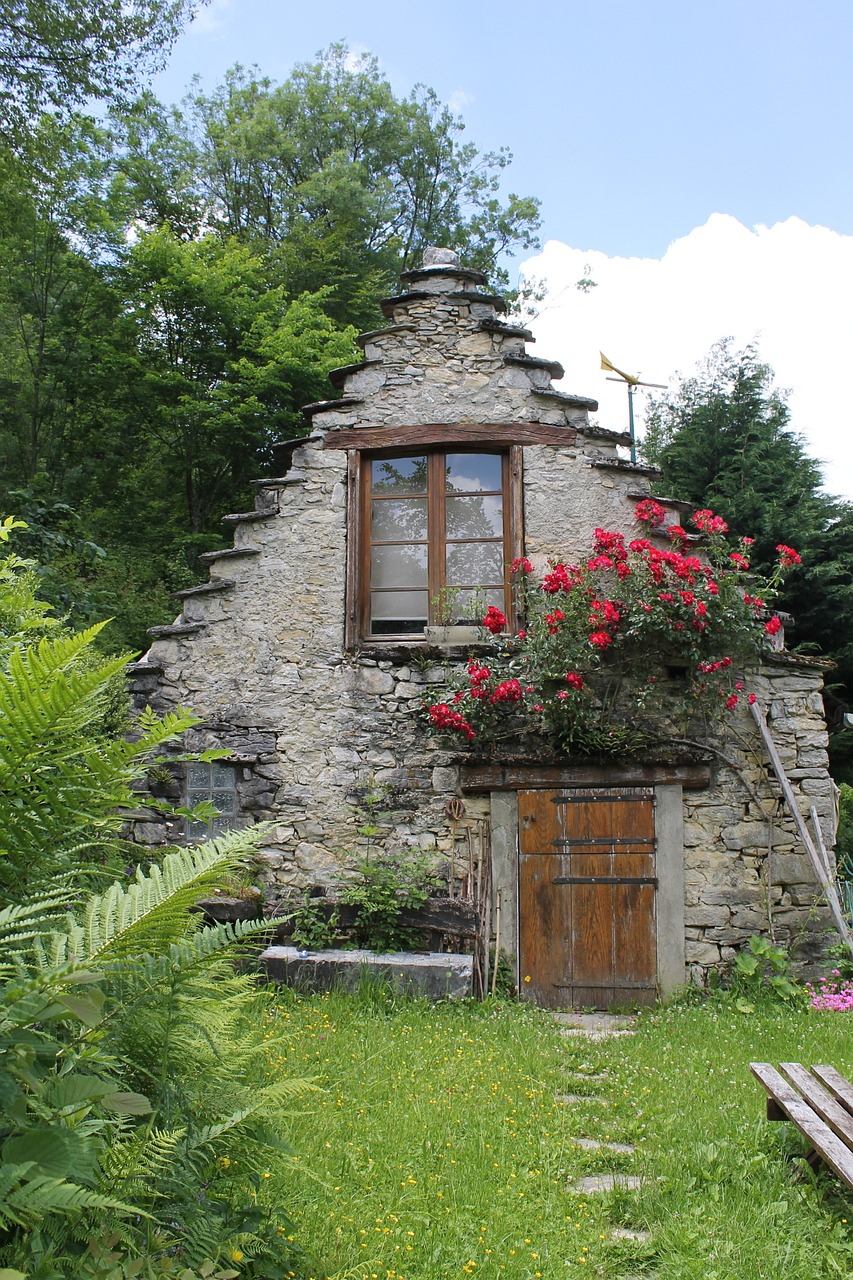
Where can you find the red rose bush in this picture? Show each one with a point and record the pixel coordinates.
(616, 648)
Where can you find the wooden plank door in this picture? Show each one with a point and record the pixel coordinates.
(586, 893)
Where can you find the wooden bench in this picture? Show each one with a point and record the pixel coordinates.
(820, 1103)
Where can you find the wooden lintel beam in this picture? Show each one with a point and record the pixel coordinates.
(425, 434)
(501, 777)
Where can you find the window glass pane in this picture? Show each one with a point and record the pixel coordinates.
(395, 612)
(398, 566)
(222, 776)
(198, 775)
(474, 517)
(399, 475)
(399, 521)
(223, 801)
(471, 606)
(474, 472)
(471, 564)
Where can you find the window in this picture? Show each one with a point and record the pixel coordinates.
(436, 539)
(217, 783)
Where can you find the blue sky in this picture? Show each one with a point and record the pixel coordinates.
(689, 154)
(631, 121)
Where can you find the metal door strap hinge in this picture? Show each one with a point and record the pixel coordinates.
(605, 880)
(605, 840)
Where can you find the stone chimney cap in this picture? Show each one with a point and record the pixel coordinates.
(434, 256)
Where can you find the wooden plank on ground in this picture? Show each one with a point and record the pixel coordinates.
(825, 1142)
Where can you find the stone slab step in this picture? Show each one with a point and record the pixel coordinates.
(204, 589)
(209, 557)
(592, 1144)
(176, 629)
(601, 1183)
(438, 975)
(595, 1021)
(578, 1099)
(249, 517)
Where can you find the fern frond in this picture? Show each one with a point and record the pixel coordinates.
(22, 923)
(145, 915)
(24, 1200)
(198, 949)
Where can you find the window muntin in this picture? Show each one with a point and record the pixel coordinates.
(438, 527)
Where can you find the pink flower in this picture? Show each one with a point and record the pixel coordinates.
(752, 699)
(521, 563)
(676, 533)
(731, 702)
(739, 561)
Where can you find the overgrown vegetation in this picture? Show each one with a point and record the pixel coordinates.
(450, 1143)
(587, 672)
(133, 1062)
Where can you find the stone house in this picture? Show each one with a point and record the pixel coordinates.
(448, 453)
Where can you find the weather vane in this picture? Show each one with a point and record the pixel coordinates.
(631, 381)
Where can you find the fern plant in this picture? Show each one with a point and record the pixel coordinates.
(133, 1059)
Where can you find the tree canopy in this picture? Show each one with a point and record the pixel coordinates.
(177, 281)
(56, 54)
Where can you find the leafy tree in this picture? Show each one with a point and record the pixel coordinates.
(56, 54)
(341, 182)
(222, 363)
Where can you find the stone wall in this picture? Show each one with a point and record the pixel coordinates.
(259, 652)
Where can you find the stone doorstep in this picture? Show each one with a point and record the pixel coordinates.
(596, 1021)
(438, 975)
(575, 1099)
(596, 1035)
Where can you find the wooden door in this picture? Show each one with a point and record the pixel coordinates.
(586, 893)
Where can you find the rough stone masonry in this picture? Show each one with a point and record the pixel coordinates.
(310, 711)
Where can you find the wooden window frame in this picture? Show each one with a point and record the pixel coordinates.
(358, 529)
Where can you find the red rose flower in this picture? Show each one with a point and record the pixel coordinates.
(773, 626)
(494, 621)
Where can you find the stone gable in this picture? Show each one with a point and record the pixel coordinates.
(311, 711)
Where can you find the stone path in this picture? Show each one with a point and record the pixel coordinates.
(600, 1026)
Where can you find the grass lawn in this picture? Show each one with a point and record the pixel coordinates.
(442, 1145)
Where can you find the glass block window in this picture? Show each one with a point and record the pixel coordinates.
(217, 783)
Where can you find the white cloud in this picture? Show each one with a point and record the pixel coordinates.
(211, 19)
(788, 287)
(459, 99)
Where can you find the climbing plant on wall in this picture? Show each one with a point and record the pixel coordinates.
(624, 648)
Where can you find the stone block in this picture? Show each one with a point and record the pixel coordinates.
(701, 953)
(438, 976)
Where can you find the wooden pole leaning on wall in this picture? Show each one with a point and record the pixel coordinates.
(829, 890)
